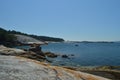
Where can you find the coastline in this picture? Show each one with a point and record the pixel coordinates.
(103, 71)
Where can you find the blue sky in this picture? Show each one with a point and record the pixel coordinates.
(91, 20)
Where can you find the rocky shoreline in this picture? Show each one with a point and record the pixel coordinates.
(40, 56)
(110, 72)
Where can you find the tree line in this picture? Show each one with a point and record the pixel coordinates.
(42, 38)
(8, 38)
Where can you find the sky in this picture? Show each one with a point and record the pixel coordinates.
(76, 20)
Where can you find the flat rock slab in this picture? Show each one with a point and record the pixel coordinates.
(10, 51)
(18, 68)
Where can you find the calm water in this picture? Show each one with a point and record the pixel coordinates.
(86, 54)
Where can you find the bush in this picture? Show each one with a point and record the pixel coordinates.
(6, 38)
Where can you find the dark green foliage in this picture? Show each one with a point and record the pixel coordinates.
(42, 38)
(6, 38)
(16, 32)
(45, 38)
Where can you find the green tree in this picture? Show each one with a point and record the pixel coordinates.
(6, 38)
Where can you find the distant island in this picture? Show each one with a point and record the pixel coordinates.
(92, 41)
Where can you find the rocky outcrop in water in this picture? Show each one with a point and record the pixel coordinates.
(52, 55)
(65, 56)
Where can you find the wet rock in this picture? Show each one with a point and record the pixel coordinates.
(33, 55)
(65, 56)
(105, 67)
(52, 55)
(35, 49)
(76, 45)
(72, 55)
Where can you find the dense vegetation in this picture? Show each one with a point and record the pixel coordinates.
(45, 38)
(42, 38)
(6, 38)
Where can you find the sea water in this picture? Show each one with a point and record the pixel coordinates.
(85, 54)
